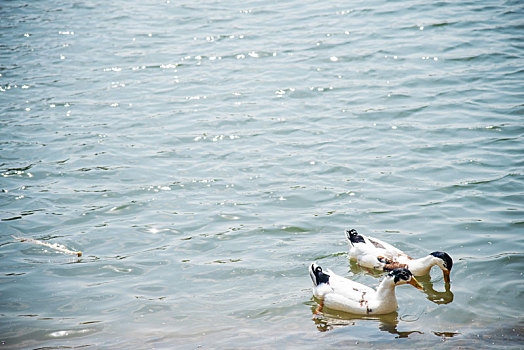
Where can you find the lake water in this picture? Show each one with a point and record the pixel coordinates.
(201, 154)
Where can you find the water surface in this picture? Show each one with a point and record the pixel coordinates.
(202, 154)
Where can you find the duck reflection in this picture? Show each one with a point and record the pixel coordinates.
(330, 319)
(445, 297)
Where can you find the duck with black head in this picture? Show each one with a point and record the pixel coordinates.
(373, 253)
(339, 293)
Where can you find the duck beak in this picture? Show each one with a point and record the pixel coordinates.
(415, 283)
(446, 276)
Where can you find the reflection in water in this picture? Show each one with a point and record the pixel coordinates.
(357, 269)
(446, 334)
(330, 319)
(445, 297)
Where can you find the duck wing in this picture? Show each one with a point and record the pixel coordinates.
(368, 253)
(347, 288)
(360, 245)
(389, 250)
(339, 302)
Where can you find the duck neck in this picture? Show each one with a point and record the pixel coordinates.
(386, 293)
(419, 267)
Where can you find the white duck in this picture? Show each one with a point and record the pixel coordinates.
(339, 293)
(373, 253)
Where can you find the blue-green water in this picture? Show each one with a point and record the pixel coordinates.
(202, 154)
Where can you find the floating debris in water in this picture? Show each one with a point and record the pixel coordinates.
(55, 246)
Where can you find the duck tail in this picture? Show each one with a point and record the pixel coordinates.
(353, 236)
(317, 275)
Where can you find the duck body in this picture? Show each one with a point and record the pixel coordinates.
(373, 253)
(339, 293)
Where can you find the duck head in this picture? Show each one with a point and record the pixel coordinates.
(404, 276)
(445, 262)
